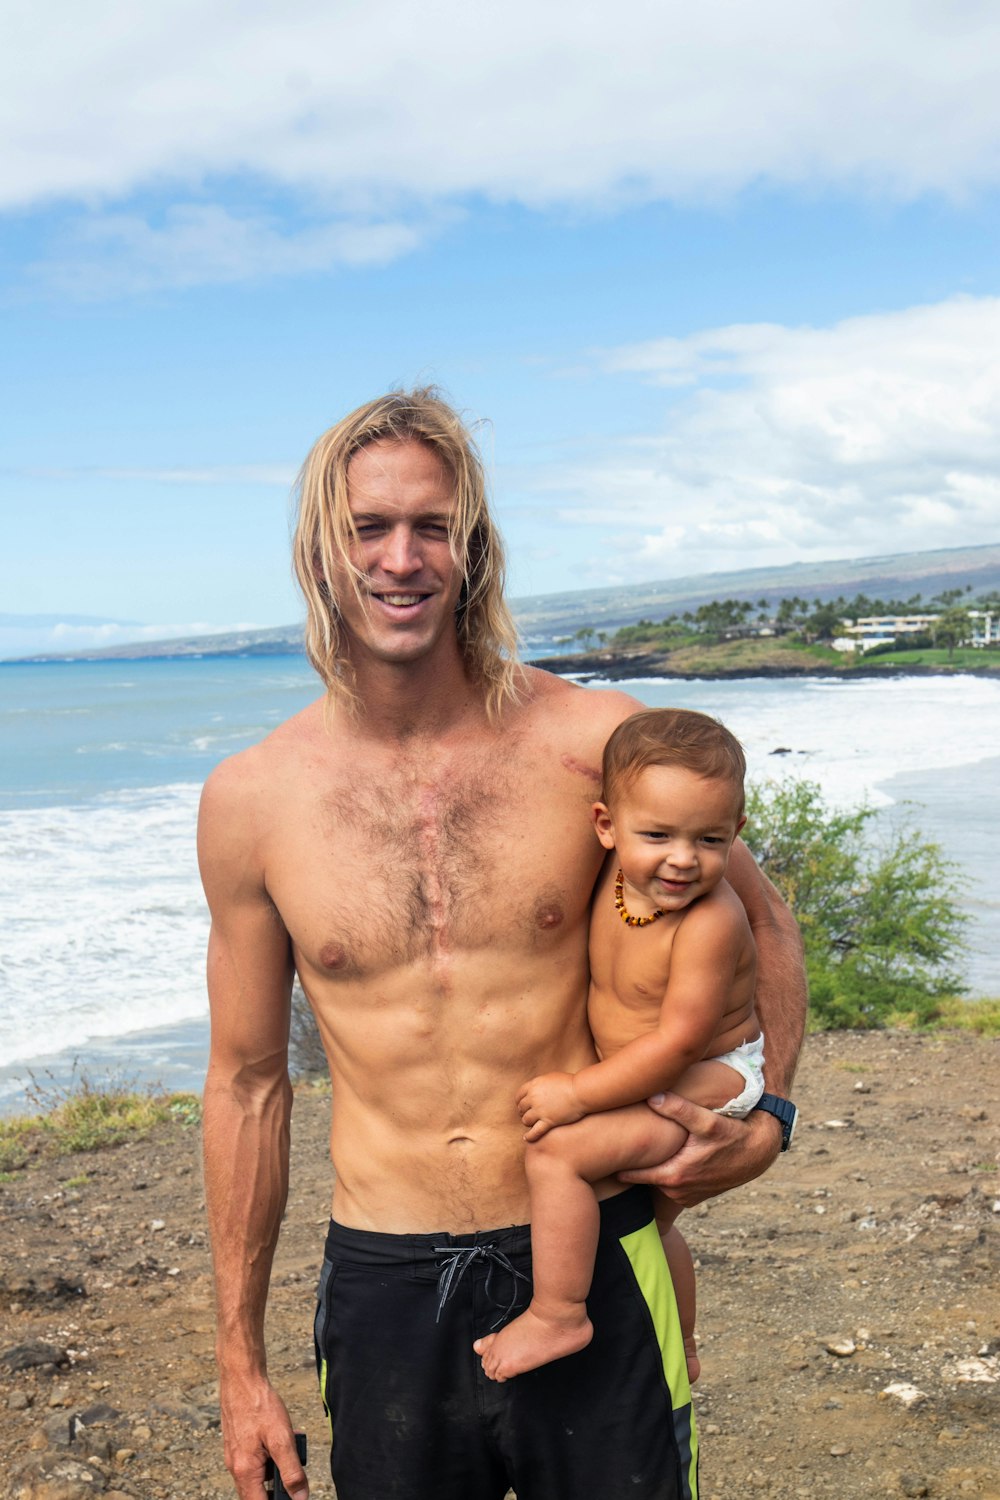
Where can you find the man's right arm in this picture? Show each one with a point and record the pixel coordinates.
(246, 1121)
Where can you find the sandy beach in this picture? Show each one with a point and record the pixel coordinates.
(849, 1300)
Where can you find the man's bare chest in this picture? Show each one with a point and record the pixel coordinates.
(372, 871)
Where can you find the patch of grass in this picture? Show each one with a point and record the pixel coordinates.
(932, 656)
(847, 1067)
(87, 1115)
(981, 1017)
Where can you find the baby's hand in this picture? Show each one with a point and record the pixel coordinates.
(548, 1100)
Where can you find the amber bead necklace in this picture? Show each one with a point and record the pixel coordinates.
(622, 910)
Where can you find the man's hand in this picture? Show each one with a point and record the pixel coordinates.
(719, 1153)
(548, 1100)
(255, 1424)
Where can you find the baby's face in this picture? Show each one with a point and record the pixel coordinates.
(672, 831)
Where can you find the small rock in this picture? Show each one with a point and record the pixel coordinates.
(912, 1485)
(55, 1476)
(862, 1088)
(972, 1112)
(59, 1429)
(34, 1355)
(60, 1396)
(18, 1401)
(837, 1124)
(979, 1371)
(157, 1224)
(843, 1348)
(904, 1392)
(839, 1450)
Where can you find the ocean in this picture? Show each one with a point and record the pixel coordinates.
(104, 929)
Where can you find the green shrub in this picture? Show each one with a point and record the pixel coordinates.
(877, 907)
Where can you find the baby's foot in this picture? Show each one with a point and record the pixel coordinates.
(693, 1362)
(530, 1341)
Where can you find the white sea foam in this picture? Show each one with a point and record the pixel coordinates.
(850, 736)
(104, 924)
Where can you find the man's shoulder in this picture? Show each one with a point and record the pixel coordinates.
(604, 708)
(257, 770)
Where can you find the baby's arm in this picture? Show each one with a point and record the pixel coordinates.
(706, 950)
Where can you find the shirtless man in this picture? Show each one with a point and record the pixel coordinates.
(417, 846)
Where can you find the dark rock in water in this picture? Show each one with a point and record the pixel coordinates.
(781, 750)
(34, 1355)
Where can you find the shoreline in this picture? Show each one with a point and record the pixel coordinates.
(594, 666)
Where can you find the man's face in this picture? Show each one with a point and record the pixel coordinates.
(672, 831)
(401, 497)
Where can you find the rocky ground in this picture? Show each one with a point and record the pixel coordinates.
(849, 1301)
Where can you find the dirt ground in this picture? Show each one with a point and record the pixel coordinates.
(849, 1301)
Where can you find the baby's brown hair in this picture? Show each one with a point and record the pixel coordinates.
(672, 737)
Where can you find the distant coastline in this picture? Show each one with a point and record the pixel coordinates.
(712, 663)
(631, 665)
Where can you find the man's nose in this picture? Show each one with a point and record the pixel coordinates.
(400, 553)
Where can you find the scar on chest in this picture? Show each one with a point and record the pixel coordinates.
(581, 768)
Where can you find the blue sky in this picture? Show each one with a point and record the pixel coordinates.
(722, 280)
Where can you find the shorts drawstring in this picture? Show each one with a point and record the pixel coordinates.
(459, 1261)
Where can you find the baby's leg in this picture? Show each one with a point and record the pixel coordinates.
(681, 1263)
(565, 1222)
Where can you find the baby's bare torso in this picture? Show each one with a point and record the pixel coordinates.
(630, 971)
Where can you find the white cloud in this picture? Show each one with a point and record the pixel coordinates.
(878, 434)
(109, 254)
(369, 106)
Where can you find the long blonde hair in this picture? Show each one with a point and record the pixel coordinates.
(325, 534)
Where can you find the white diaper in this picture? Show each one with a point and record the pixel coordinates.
(748, 1061)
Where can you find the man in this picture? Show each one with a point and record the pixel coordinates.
(417, 846)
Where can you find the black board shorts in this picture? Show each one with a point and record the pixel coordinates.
(413, 1417)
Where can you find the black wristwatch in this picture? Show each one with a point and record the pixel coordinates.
(783, 1110)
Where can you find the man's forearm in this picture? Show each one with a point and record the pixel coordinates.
(781, 997)
(246, 1135)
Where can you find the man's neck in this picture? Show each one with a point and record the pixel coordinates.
(409, 700)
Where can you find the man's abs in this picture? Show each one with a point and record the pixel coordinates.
(425, 1131)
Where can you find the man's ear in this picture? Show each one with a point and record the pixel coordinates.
(742, 823)
(603, 826)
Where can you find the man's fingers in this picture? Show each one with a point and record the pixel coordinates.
(694, 1119)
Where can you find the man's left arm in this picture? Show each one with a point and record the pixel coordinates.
(721, 1153)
